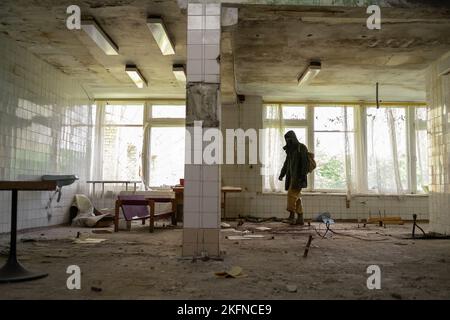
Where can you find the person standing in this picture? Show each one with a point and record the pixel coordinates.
(295, 169)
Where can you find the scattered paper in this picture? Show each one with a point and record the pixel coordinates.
(263, 228)
(234, 272)
(254, 236)
(291, 288)
(58, 255)
(245, 237)
(89, 241)
(230, 230)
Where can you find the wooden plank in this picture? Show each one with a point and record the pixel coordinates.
(385, 220)
(394, 222)
(28, 185)
(378, 219)
(231, 189)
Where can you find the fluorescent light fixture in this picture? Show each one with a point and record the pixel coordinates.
(310, 72)
(178, 71)
(136, 76)
(159, 31)
(446, 72)
(96, 33)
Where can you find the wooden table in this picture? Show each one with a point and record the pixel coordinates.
(13, 271)
(179, 190)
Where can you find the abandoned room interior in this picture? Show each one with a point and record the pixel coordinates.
(141, 149)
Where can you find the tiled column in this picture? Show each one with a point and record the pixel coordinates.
(438, 96)
(202, 196)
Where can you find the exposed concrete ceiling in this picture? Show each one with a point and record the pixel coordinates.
(40, 26)
(264, 53)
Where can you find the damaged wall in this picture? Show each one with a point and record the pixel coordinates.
(438, 96)
(45, 128)
(252, 201)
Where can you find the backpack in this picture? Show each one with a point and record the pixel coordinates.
(311, 162)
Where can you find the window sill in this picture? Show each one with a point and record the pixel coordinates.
(343, 194)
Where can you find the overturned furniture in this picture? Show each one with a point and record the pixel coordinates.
(84, 214)
(140, 207)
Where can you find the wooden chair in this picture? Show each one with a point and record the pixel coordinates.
(141, 211)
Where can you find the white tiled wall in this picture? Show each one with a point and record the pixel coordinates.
(438, 96)
(203, 41)
(253, 202)
(361, 207)
(45, 128)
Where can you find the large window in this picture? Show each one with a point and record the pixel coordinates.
(122, 142)
(422, 179)
(358, 148)
(333, 146)
(387, 159)
(140, 141)
(167, 137)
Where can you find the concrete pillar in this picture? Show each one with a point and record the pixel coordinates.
(202, 196)
(438, 96)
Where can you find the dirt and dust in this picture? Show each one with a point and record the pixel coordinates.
(137, 264)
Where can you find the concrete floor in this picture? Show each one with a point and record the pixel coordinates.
(139, 265)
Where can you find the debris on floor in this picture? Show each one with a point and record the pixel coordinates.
(254, 236)
(89, 241)
(58, 255)
(324, 217)
(308, 245)
(230, 230)
(224, 225)
(259, 220)
(101, 231)
(291, 288)
(263, 228)
(246, 237)
(234, 272)
(28, 240)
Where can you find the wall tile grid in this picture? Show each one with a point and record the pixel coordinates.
(438, 96)
(45, 128)
(203, 42)
(253, 202)
(202, 182)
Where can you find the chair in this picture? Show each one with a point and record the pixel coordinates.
(135, 207)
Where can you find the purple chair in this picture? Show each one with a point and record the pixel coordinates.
(134, 212)
(136, 207)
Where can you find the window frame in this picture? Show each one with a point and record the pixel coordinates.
(360, 139)
(331, 131)
(147, 123)
(150, 122)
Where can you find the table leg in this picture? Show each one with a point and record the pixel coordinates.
(152, 215)
(174, 212)
(13, 271)
(116, 216)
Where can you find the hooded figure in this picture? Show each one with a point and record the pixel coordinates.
(295, 168)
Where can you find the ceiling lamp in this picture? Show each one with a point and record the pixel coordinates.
(159, 31)
(96, 33)
(136, 76)
(179, 72)
(310, 72)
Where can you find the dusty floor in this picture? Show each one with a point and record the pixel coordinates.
(139, 265)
